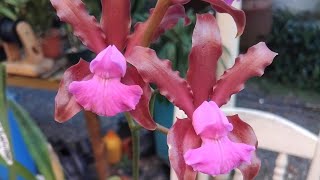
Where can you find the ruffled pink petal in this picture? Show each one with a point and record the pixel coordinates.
(109, 63)
(105, 97)
(220, 156)
(210, 122)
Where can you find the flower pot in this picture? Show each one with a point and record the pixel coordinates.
(259, 21)
(163, 114)
(52, 45)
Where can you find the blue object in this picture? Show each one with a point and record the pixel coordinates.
(163, 114)
(20, 150)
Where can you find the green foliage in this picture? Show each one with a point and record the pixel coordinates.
(175, 45)
(13, 9)
(35, 140)
(39, 13)
(296, 39)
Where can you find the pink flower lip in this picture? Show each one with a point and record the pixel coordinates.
(217, 154)
(104, 94)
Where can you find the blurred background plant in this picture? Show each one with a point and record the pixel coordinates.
(39, 13)
(295, 37)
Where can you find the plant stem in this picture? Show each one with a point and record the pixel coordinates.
(152, 100)
(152, 24)
(135, 146)
(162, 129)
(154, 21)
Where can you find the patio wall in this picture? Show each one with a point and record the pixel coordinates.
(298, 5)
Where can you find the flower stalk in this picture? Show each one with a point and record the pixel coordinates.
(154, 21)
(135, 135)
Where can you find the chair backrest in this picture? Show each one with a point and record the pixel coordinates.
(278, 134)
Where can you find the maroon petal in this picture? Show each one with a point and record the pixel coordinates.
(170, 19)
(115, 21)
(181, 138)
(249, 172)
(169, 83)
(84, 26)
(142, 112)
(243, 133)
(65, 104)
(246, 66)
(205, 52)
(238, 15)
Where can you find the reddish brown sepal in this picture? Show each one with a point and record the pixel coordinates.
(159, 72)
(116, 21)
(84, 26)
(246, 66)
(205, 52)
(243, 133)
(142, 112)
(238, 15)
(181, 138)
(170, 19)
(65, 104)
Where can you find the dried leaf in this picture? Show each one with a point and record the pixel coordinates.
(238, 15)
(65, 104)
(246, 66)
(142, 112)
(181, 138)
(205, 52)
(159, 72)
(84, 26)
(116, 21)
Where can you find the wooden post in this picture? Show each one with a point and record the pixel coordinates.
(98, 147)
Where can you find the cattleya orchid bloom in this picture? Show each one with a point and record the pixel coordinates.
(217, 154)
(184, 137)
(74, 91)
(104, 94)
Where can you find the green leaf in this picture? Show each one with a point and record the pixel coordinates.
(19, 169)
(3, 112)
(3, 103)
(7, 13)
(35, 140)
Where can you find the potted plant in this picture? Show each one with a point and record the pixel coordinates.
(40, 15)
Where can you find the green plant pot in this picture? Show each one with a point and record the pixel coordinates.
(163, 114)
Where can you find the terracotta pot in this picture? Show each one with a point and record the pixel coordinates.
(52, 45)
(259, 21)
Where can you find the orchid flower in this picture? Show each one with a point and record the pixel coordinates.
(80, 82)
(217, 154)
(104, 94)
(185, 136)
